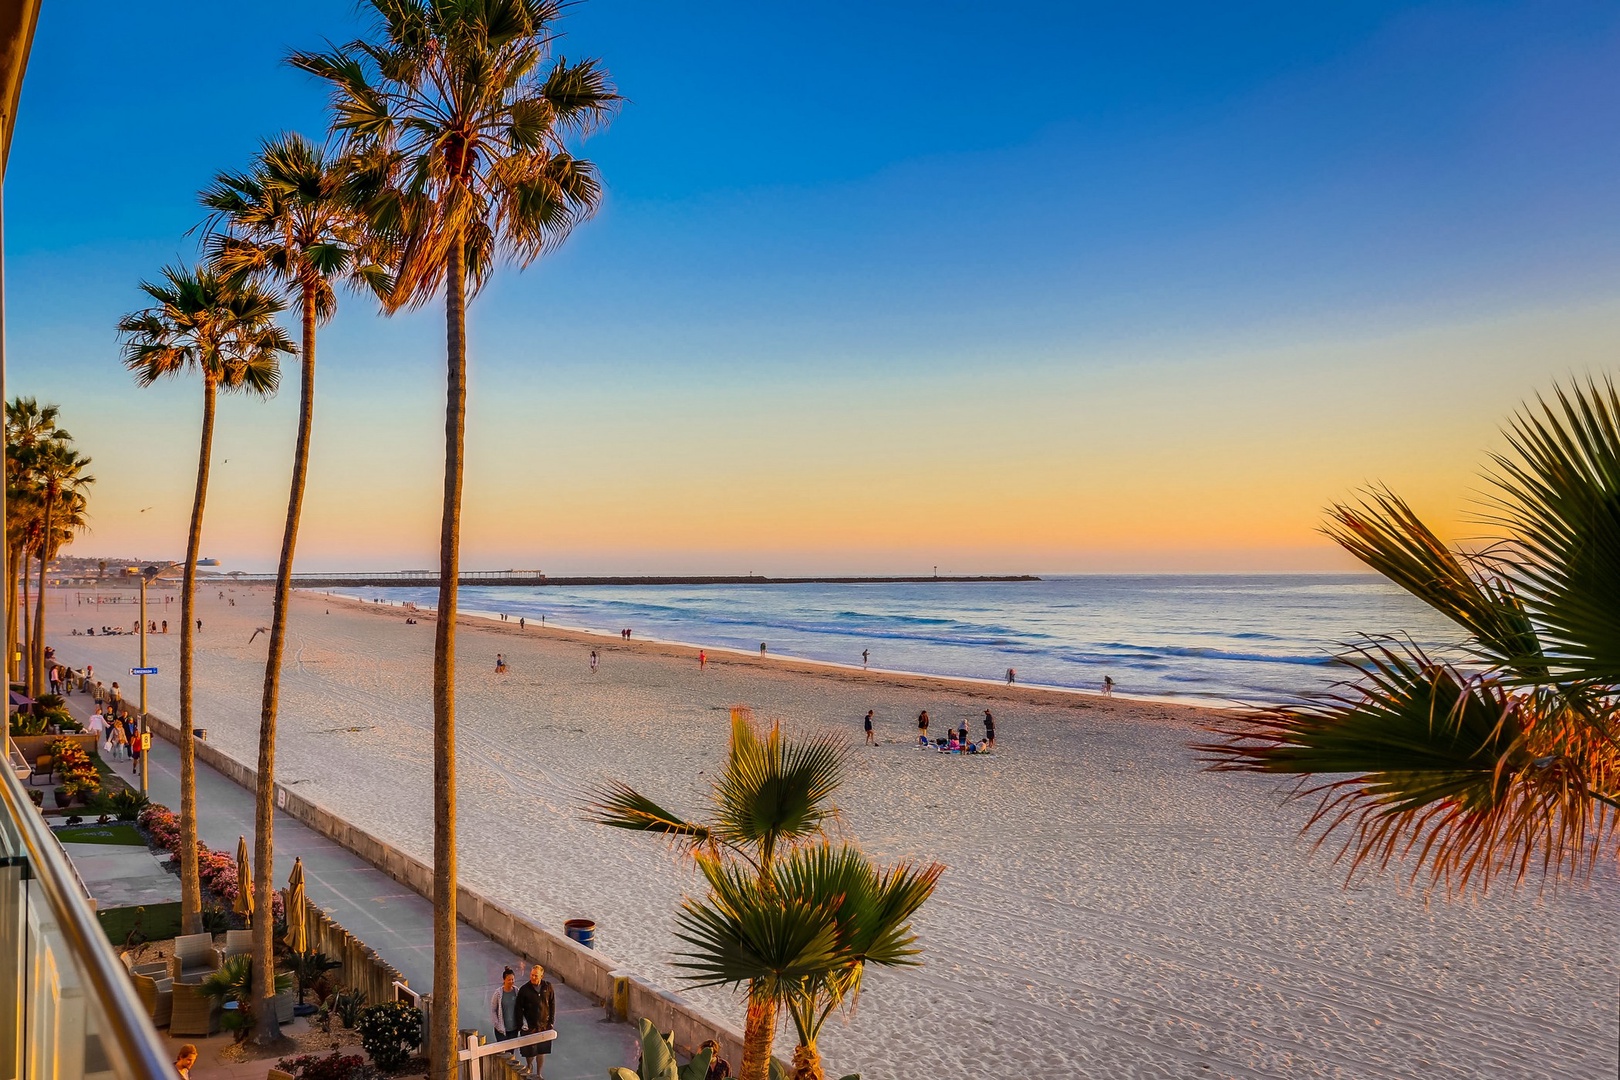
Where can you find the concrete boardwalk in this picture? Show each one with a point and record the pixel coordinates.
(385, 915)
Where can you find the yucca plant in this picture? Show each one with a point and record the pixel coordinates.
(1505, 758)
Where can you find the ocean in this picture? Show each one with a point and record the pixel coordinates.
(1212, 638)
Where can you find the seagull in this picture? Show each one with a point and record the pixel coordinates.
(148, 508)
(256, 633)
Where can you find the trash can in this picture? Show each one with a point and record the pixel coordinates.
(582, 931)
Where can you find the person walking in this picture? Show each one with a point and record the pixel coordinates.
(762, 648)
(866, 655)
(117, 743)
(132, 739)
(184, 1061)
(961, 733)
(537, 1012)
(97, 726)
(1011, 675)
(922, 725)
(703, 659)
(870, 741)
(503, 1011)
(989, 728)
(1108, 686)
(522, 622)
(719, 1067)
(593, 661)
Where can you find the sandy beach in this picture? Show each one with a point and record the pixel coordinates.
(1109, 908)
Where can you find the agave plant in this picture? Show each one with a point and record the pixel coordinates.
(1506, 758)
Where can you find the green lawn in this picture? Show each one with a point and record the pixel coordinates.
(120, 833)
(157, 922)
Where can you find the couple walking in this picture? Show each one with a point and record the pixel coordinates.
(525, 1010)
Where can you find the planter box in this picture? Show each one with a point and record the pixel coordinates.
(31, 746)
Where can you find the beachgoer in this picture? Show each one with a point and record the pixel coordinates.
(184, 1061)
(1108, 686)
(199, 626)
(165, 629)
(865, 656)
(1011, 675)
(989, 729)
(593, 661)
(500, 664)
(762, 648)
(719, 1067)
(503, 1007)
(522, 622)
(703, 659)
(537, 1011)
(961, 733)
(922, 723)
(870, 740)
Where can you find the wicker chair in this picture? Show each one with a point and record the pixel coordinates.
(194, 958)
(194, 1013)
(237, 943)
(157, 996)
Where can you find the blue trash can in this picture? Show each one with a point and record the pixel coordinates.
(582, 931)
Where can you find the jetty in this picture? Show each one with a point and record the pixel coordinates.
(427, 578)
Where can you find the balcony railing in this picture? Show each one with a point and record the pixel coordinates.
(67, 1008)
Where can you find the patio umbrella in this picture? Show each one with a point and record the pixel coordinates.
(297, 931)
(244, 880)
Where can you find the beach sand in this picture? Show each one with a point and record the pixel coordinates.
(1109, 908)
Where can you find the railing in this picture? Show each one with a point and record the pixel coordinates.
(67, 1008)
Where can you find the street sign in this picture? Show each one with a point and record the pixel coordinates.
(143, 671)
(146, 741)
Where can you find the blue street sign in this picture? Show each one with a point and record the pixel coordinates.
(143, 671)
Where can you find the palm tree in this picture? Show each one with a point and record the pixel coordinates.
(805, 937)
(464, 114)
(290, 219)
(28, 426)
(772, 796)
(58, 471)
(226, 332)
(1505, 759)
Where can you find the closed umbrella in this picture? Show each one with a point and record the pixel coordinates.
(297, 931)
(244, 880)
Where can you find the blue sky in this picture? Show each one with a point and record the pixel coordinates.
(887, 284)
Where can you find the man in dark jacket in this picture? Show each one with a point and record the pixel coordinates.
(537, 1011)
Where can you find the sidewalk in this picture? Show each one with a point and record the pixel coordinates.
(394, 921)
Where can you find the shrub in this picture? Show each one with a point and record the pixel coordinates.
(346, 1005)
(336, 1066)
(127, 803)
(390, 1032)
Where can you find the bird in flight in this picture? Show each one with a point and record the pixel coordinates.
(147, 508)
(256, 633)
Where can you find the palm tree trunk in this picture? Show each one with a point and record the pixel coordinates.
(14, 560)
(807, 1063)
(37, 687)
(26, 675)
(264, 808)
(759, 1032)
(442, 1053)
(190, 887)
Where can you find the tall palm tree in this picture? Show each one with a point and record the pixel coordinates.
(59, 473)
(465, 114)
(774, 794)
(1505, 759)
(804, 937)
(290, 219)
(200, 321)
(28, 426)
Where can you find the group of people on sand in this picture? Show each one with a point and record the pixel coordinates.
(955, 741)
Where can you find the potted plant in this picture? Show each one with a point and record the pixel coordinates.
(60, 794)
(307, 968)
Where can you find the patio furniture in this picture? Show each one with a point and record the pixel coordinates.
(194, 958)
(286, 1001)
(157, 997)
(42, 766)
(237, 943)
(157, 969)
(278, 1074)
(193, 1013)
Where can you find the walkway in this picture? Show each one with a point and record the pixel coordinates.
(385, 915)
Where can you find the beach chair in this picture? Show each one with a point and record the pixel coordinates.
(157, 997)
(237, 943)
(193, 1012)
(194, 958)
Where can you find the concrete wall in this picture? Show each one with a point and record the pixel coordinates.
(586, 970)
